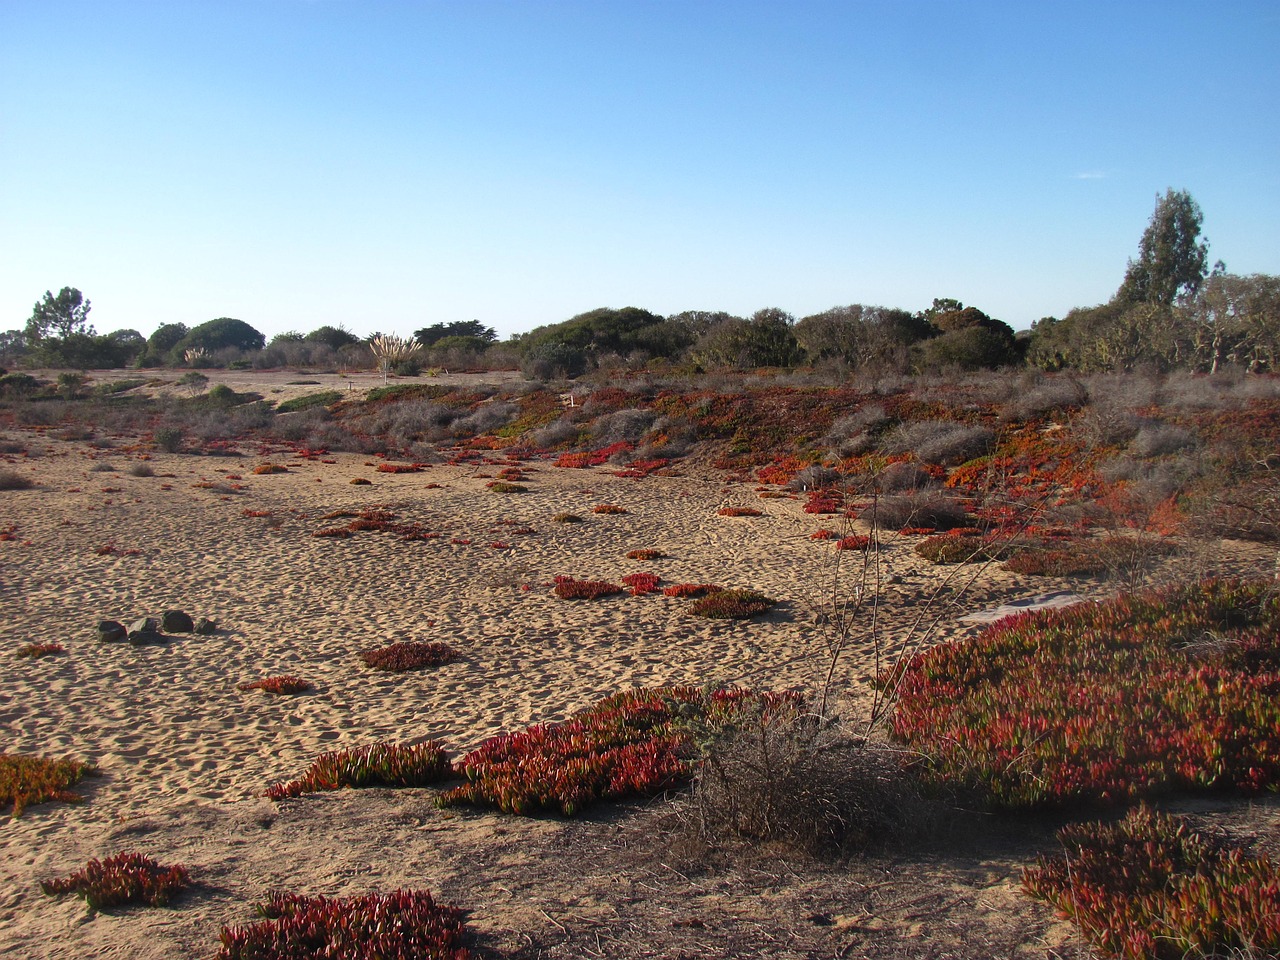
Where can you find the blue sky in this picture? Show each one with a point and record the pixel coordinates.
(389, 165)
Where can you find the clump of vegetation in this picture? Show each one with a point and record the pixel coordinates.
(567, 518)
(141, 470)
(401, 467)
(641, 583)
(1170, 689)
(335, 533)
(404, 925)
(325, 398)
(567, 588)
(360, 482)
(25, 780)
(281, 685)
(13, 480)
(647, 553)
(122, 880)
(739, 512)
(691, 589)
(399, 657)
(948, 548)
(375, 765)
(608, 509)
(502, 486)
(35, 650)
(265, 469)
(737, 604)
(630, 744)
(854, 541)
(1149, 888)
(168, 439)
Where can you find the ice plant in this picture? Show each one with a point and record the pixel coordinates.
(629, 744)
(1170, 689)
(375, 765)
(399, 657)
(567, 588)
(25, 780)
(35, 650)
(403, 925)
(284, 684)
(736, 604)
(641, 583)
(1151, 888)
(122, 880)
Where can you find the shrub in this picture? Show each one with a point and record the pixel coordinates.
(732, 605)
(779, 776)
(399, 657)
(168, 439)
(813, 478)
(25, 780)
(265, 469)
(1149, 887)
(12, 480)
(1165, 689)
(375, 765)
(404, 925)
(608, 508)
(280, 685)
(739, 512)
(939, 441)
(34, 650)
(567, 588)
(141, 470)
(567, 518)
(126, 878)
(360, 482)
(921, 509)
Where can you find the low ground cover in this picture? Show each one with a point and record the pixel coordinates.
(1171, 689)
(1150, 888)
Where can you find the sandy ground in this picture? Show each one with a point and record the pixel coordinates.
(186, 755)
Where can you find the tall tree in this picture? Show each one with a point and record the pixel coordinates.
(1172, 260)
(59, 316)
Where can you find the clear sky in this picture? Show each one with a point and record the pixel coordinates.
(389, 165)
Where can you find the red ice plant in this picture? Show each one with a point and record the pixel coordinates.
(1151, 888)
(283, 684)
(641, 583)
(122, 880)
(399, 657)
(567, 588)
(403, 925)
(626, 745)
(375, 765)
(25, 780)
(1101, 703)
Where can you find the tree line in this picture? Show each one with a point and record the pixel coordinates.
(1172, 310)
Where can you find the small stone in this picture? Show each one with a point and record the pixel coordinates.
(144, 631)
(204, 626)
(109, 631)
(175, 621)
